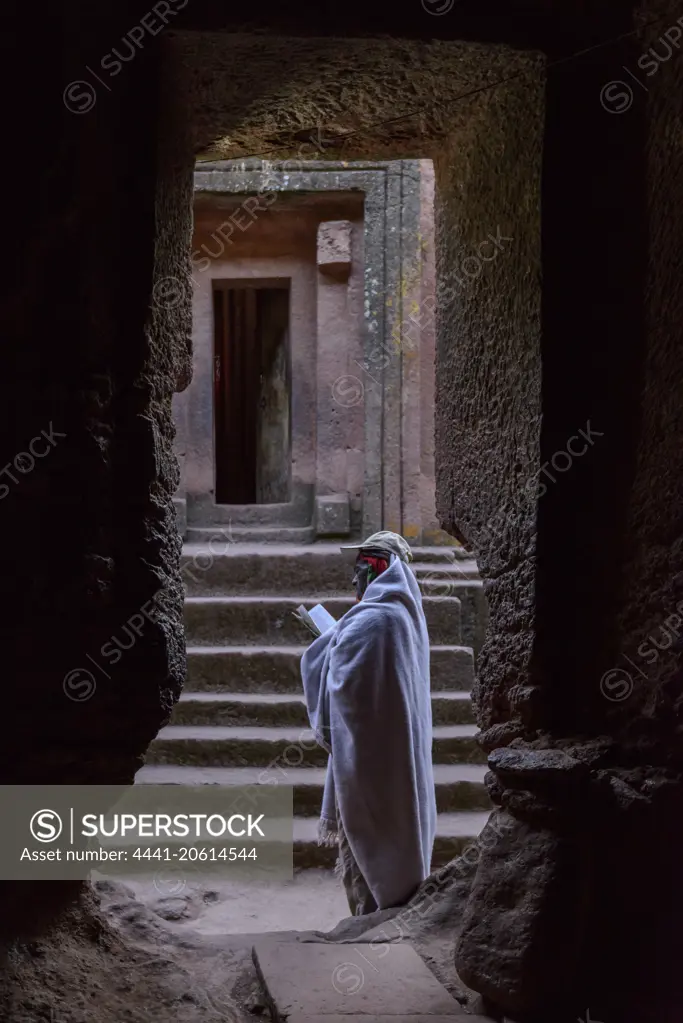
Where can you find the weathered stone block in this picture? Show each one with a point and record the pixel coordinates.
(334, 248)
(527, 766)
(332, 515)
(309, 980)
(526, 882)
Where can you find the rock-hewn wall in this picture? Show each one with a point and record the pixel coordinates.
(91, 355)
(645, 704)
(587, 769)
(265, 96)
(488, 373)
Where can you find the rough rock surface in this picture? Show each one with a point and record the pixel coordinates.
(96, 345)
(564, 481)
(386, 95)
(88, 971)
(488, 249)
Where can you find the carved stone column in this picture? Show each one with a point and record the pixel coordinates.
(332, 506)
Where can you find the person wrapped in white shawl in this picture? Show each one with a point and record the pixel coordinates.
(367, 689)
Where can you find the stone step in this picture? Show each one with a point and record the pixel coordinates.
(269, 620)
(273, 669)
(440, 553)
(436, 554)
(328, 982)
(454, 832)
(458, 786)
(463, 570)
(473, 605)
(448, 708)
(204, 513)
(222, 746)
(364, 1017)
(219, 568)
(251, 534)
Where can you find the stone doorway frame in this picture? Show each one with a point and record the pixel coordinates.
(391, 218)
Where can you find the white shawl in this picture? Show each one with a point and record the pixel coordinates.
(367, 692)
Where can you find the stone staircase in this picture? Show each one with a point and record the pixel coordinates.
(242, 718)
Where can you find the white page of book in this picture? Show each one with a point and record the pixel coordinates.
(322, 618)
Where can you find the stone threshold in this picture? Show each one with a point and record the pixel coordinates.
(318, 981)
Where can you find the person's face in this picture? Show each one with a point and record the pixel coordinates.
(360, 578)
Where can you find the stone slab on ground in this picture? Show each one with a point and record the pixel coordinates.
(312, 980)
(362, 1018)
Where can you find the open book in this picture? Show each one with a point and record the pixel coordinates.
(318, 620)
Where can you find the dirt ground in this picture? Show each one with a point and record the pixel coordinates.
(148, 950)
(180, 952)
(312, 901)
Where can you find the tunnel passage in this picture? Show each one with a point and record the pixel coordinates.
(108, 388)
